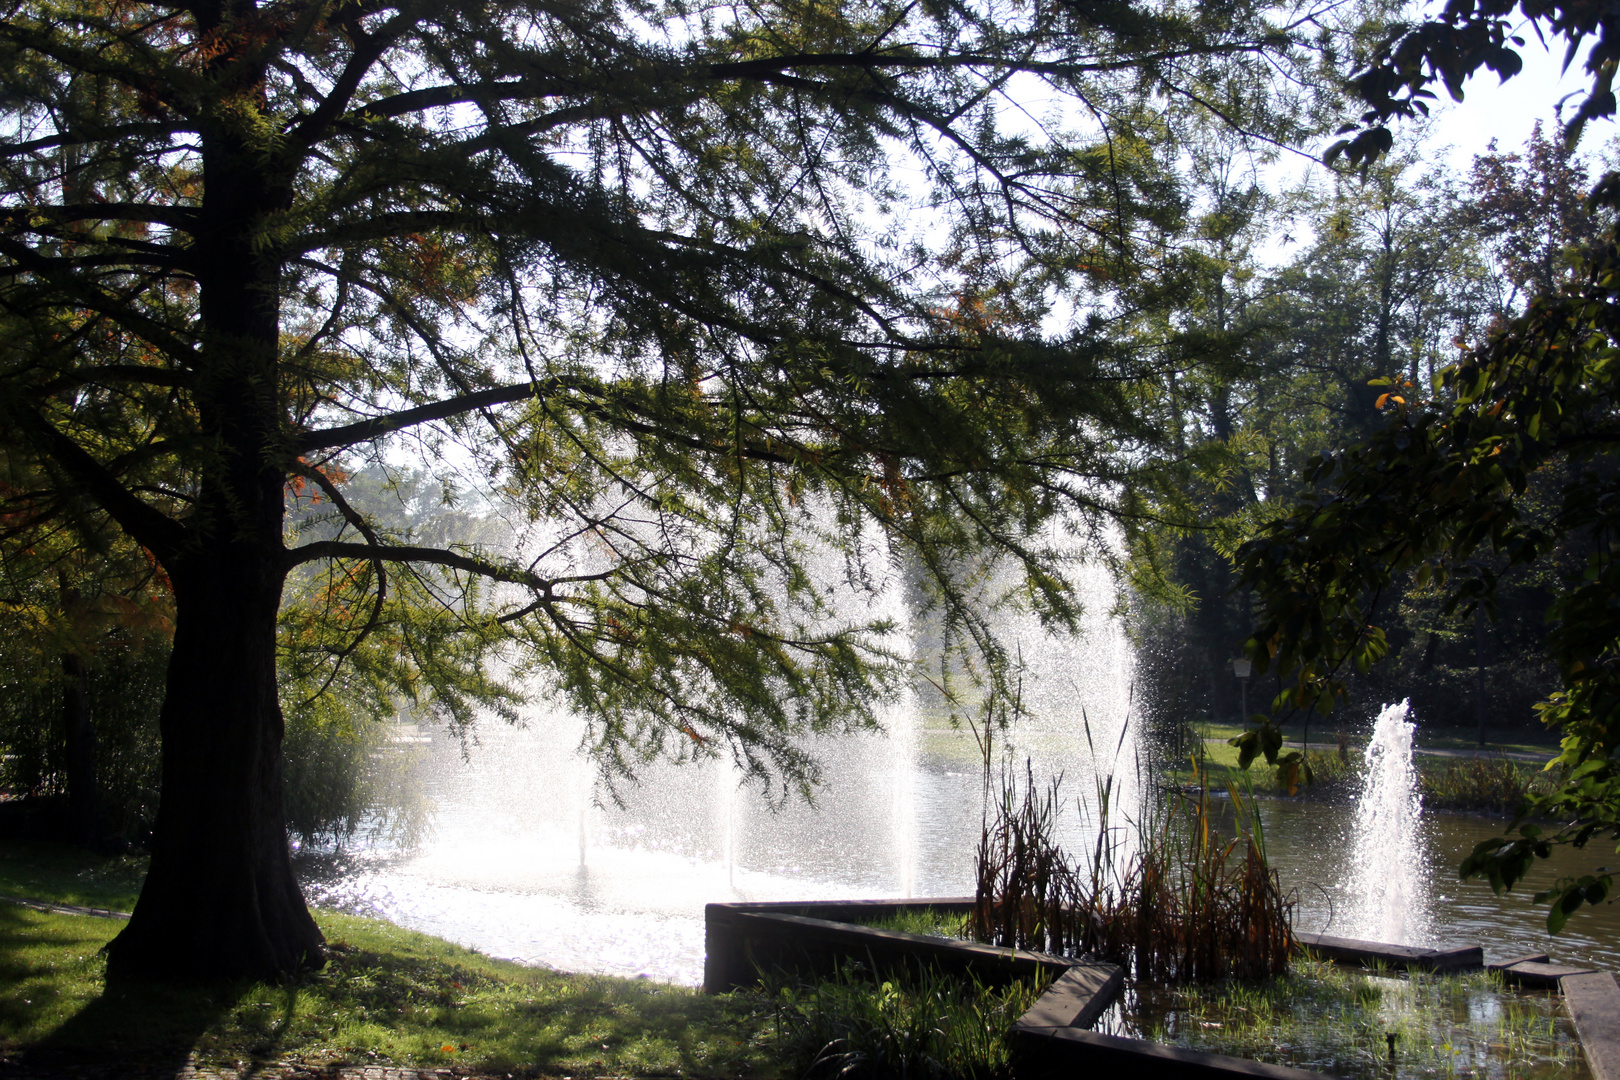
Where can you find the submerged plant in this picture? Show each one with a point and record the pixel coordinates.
(1338, 1020)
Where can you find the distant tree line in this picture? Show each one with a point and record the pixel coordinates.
(1393, 271)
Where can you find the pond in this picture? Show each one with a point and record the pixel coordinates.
(1361, 1024)
(530, 860)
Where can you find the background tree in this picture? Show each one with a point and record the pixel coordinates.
(661, 275)
(1509, 466)
(1385, 270)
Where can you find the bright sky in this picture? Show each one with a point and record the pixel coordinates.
(1507, 111)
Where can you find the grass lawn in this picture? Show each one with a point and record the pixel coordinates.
(388, 996)
(1324, 737)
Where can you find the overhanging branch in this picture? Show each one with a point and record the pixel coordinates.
(150, 528)
(377, 427)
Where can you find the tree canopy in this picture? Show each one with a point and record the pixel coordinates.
(1505, 464)
(725, 302)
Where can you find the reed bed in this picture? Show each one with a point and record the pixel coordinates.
(1180, 895)
(1487, 784)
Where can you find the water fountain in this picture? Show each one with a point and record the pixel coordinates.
(1388, 884)
(529, 861)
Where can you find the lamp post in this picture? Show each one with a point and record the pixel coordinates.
(1241, 668)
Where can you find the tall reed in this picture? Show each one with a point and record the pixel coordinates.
(1175, 895)
(1027, 895)
(1493, 784)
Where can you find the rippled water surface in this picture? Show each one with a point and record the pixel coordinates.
(523, 866)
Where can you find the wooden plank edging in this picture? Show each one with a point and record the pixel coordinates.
(1060, 1051)
(1398, 957)
(1593, 1000)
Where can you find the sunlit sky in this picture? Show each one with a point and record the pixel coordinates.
(1507, 111)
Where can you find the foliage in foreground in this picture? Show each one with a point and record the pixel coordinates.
(387, 996)
(728, 304)
(1507, 468)
(923, 1025)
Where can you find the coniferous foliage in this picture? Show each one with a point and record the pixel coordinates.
(1502, 469)
(724, 302)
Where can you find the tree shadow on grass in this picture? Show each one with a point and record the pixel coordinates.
(158, 1029)
(146, 1031)
(54, 1017)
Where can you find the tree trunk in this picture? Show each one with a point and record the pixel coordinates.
(220, 899)
(83, 804)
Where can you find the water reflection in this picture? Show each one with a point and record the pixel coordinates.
(1307, 842)
(505, 875)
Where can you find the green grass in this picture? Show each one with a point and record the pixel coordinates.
(1490, 783)
(929, 921)
(1514, 741)
(69, 875)
(387, 996)
(1324, 737)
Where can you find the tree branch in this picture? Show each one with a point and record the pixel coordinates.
(412, 553)
(151, 528)
(377, 427)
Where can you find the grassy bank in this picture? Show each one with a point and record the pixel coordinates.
(388, 996)
(1492, 783)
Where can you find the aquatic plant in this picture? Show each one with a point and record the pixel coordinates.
(1493, 784)
(1335, 1019)
(920, 1024)
(1168, 896)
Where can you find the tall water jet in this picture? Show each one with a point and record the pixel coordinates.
(532, 859)
(1388, 885)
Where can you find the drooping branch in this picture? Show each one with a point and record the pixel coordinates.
(415, 553)
(30, 218)
(376, 427)
(353, 517)
(114, 373)
(62, 274)
(88, 132)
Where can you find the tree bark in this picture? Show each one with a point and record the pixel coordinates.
(84, 805)
(220, 898)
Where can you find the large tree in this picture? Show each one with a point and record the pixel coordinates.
(706, 292)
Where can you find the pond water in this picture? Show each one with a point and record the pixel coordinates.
(522, 864)
(1365, 1026)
